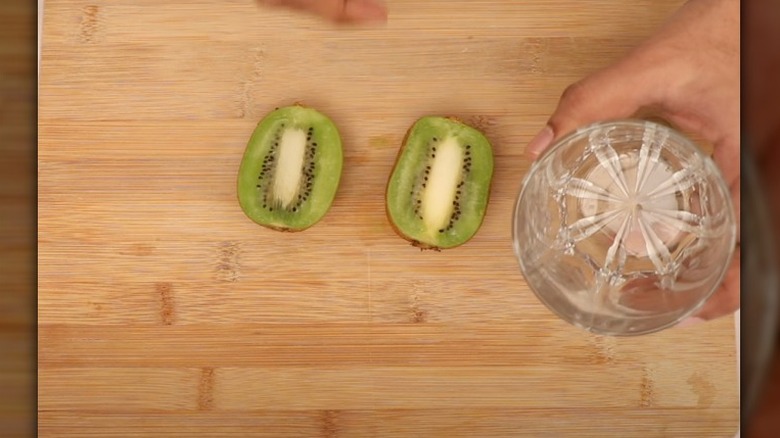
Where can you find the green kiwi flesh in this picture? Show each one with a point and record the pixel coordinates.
(438, 191)
(291, 168)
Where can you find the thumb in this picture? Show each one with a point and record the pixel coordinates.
(615, 92)
(338, 10)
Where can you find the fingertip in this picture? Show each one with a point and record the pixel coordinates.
(364, 11)
(540, 142)
(687, 322)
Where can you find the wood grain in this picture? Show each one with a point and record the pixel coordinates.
(504, 422)
(164, 311)
(345, 344)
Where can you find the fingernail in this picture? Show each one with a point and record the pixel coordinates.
(540, 142)
(365, 11)
(687, 322)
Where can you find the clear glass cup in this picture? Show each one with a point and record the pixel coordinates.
(624, 227)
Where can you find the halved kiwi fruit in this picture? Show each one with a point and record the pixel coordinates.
(439, 189)
(291, 169)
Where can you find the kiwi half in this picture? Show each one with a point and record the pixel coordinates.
(291, 169)
(439, 188)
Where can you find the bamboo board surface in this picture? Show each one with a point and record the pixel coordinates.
(164, 311)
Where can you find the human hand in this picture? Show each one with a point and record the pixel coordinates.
(688, 74)
(343, 11)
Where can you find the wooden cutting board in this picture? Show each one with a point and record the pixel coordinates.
(165, 312)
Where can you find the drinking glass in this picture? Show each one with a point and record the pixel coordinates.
(624, 227)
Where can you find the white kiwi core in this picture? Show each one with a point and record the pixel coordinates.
(439, 194)
(289, 167)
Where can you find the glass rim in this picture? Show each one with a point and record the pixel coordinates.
(688, 144)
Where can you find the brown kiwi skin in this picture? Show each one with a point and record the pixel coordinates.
(285, 229)
(416, 243)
